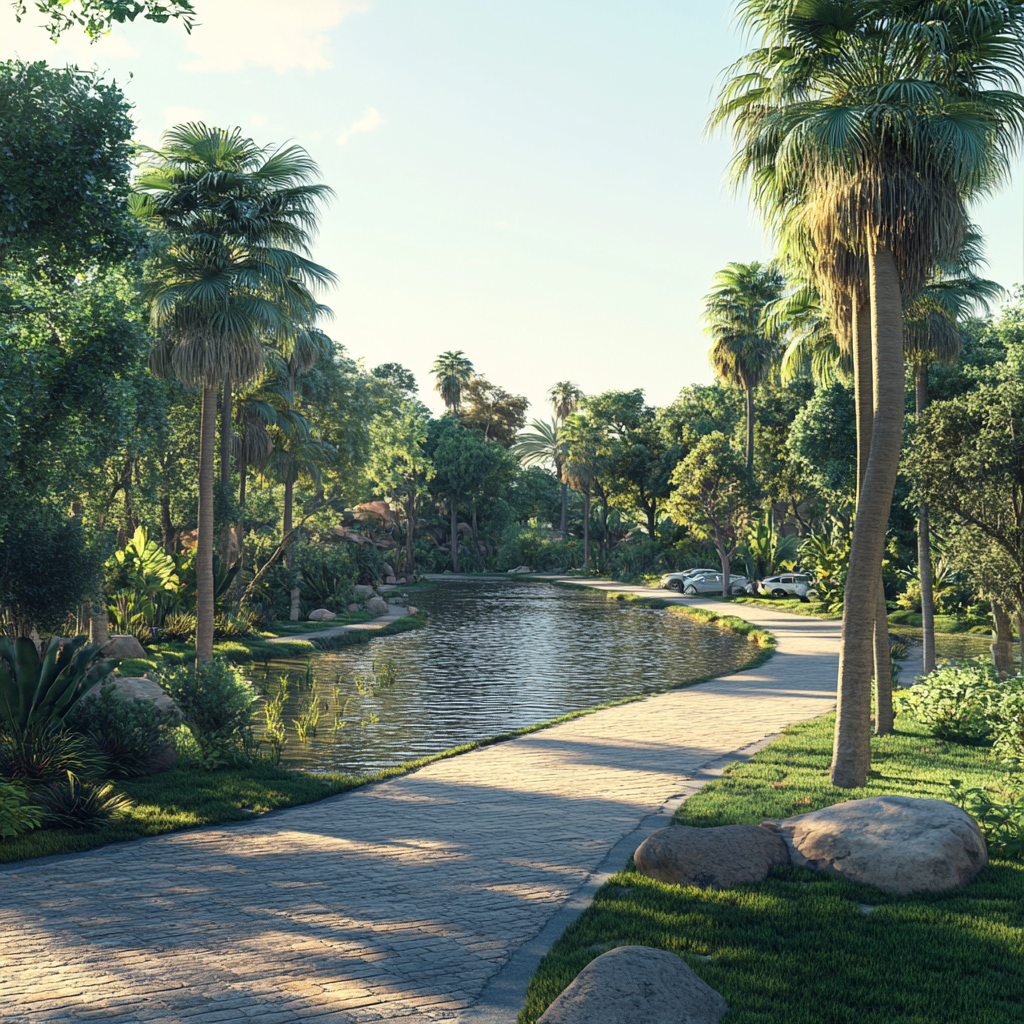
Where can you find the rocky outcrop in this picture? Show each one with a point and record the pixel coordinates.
(636, 985)
(363, 593)
(377, 606)
(899, 844)
(321, 615)
(710, 858)
(123, 647)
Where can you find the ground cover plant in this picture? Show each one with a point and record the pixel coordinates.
(800, 948)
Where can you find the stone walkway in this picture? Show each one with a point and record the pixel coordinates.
(427, 898)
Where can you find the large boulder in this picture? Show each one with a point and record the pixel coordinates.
(710, 858)
(636, 985)
(377, 606)
(321, 615)
(390, 580)
(899, 844)
(362, 592)
(136, 688)
(122, 647)
(387, 569)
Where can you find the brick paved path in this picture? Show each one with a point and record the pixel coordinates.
(413, 899)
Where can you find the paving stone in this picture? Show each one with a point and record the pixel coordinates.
(401, 900)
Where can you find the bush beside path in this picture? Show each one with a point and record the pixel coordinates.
(416, 898)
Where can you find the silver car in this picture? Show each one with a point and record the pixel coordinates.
(677, 580)
(790, 584)
(711, 583)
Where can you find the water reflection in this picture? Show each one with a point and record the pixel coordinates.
(497, 655)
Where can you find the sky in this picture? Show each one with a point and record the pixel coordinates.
(523, 180)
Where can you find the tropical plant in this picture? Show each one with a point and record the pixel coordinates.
(217, 706)
(17, 813)
(826, 555)
(40, 692)
(78, 804)
(309, 718)
(743, 351)
(231, 223)
(954, 701)
(146, 574)
(765, 550)
(541, 445)
(1006, 712)
(43, 753)
(452, 371)
(830, 141)
(999, 812)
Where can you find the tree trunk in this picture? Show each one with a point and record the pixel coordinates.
(455, 534)
(586, 529)
(410, 527)
(294, 594)
(1002, 649)
(750, 428)
(851, 756)
(723, 557)
(884, 716)
(225, 433)
(169, 536)
(924, 545)
(204, 542)
(564, 521)
(652, 525)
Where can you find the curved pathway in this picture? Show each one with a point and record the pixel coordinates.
(430, 897)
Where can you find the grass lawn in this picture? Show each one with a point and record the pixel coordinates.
(798, 948)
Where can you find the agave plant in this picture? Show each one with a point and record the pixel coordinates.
(73, 803)
(40, 692)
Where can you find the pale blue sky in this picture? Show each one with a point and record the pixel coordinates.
(523, 180)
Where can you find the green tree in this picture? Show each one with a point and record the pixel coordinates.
(713, 497)
(399, 467)
(97, 17)
(496, 412)
(452, 371)
(564, 397)
(66, 148)
(232, 223)
(743, 351)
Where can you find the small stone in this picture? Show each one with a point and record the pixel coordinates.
(377, 606)
(710, 858)
(636, 985)
(321, 615)
(123, 647)
(353, 607)
(412, 610)
(363, 593)
(898, 844)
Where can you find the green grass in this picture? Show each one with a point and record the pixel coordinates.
(785, 604)
(797, 948)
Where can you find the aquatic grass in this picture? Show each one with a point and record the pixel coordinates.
(799, 948)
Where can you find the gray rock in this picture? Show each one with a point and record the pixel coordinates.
(899, 844)
(710, 858)
(412, 610)
(390, 580)
(387, 569)
(123, 647)
(377, 606)
(353, 607)
(321, 615)
(363, 593)
(636, 985)
(136, 688)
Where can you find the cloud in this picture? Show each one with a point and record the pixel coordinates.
(258, 119)
(367, 123)
(235, 34)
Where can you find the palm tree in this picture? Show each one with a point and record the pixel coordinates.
(231, 224)
(541, 446)
(565, 399)
(452, 372)
(742, 351)
(872, 124)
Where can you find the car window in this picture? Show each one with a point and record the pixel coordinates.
(786, 579)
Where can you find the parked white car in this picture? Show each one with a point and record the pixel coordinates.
(790, 584)
(677, 580)
(711, 583)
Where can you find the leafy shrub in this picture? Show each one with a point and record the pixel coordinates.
(74, 803)
(1007, 716)
(231, 627)
(128, 733)
(17, 813)
(999, 814)
(522, 546)
(36, 691)
(179, 626)
(954, 701)
(43, 753)
(327, 572)
(217, 706)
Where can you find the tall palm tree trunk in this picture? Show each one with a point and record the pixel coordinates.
(455, 534)
(924, 543)
(851, 756)
(294, 594)
(410, 528)
(243, 469)
(204, 542)
(225, 433)
(586, 529)
(750, 426)
(563, 523)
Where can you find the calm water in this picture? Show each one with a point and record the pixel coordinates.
(497, 655)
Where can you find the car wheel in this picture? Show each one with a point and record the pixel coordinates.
(691, 591)
(779, 593)
(676, 585)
